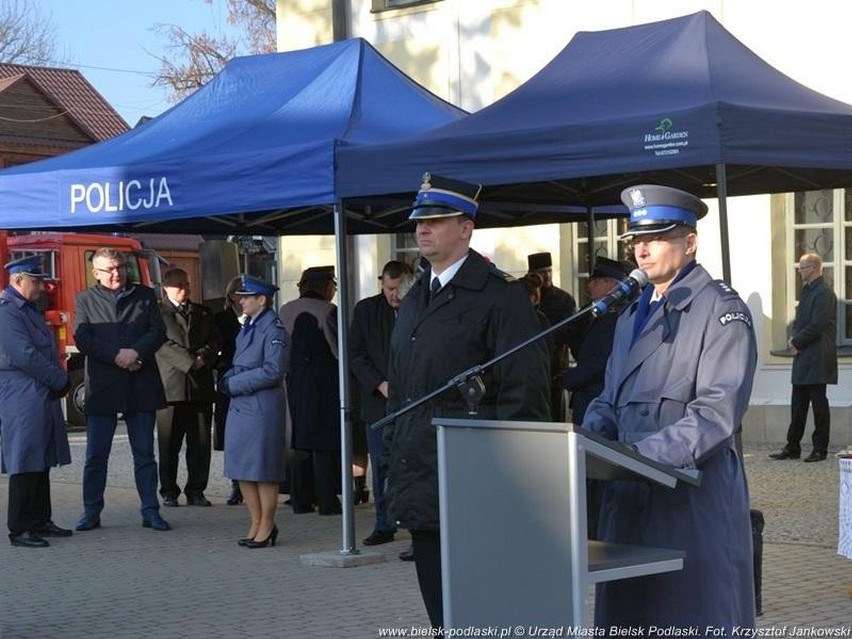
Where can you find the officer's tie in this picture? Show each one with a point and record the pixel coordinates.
(434, 288)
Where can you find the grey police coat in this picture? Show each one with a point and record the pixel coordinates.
(33, 430)
(678, 395)
(254, 438)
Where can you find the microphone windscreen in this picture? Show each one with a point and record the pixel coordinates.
(640, 276)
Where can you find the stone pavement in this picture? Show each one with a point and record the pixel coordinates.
(196, 582)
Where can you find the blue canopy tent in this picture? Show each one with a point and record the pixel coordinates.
(253, 151)
(679, 102)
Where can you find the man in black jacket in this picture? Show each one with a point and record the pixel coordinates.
(812, 344)
(186, 364)
(118, 327)
(369, 341)
(460, 312)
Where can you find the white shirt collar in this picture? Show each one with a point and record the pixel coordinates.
(448, 272)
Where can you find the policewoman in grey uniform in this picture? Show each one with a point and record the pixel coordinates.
(677, 386)
(254, 439)
(31, 382)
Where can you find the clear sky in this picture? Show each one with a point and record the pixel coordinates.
(111, 43)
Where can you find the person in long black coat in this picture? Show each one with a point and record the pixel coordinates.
(812, 344)
(313, 395)
(474, 313)
(186, 364)
(369, 342)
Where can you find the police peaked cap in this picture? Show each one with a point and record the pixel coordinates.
(442, 197)
(605, 267)
(656, 209)
(30, 265)
(250, 285)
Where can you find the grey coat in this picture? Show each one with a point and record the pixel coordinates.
(106, 323)
(814, 335)
(254, 438)
(187, 337)
(33, 430)
(678, 394)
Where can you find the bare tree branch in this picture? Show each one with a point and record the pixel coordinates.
(193, 59)
(26, 36)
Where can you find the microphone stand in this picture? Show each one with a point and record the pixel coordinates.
(470, 382)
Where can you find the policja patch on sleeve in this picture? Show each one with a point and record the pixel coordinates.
(735, 316)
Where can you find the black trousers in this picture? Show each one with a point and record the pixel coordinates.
(314, 476)
(427, 560)
(803, 396)
(174, 423)
(29, 502)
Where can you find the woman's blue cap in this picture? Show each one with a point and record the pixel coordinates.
(250, 285)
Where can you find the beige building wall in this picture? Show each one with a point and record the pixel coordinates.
(474, 52)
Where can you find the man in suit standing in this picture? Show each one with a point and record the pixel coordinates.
(118, 327)
(812, 344)
(369, 341)
(31, 383)
(186, 364)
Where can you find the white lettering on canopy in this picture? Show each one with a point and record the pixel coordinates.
(114, 197)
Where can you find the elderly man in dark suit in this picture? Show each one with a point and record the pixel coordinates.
(31, 383)
(186, 364)
(118, 327)
(812, 344)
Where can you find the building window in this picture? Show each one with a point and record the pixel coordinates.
(604, 244)
(386, 5)
(821, 223)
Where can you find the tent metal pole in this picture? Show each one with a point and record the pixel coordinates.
(590, 233)
(722, 196)
(348, 546)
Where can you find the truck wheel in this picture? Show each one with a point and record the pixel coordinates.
(74, 400)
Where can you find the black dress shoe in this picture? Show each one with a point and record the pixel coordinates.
(88, 522)
(28, 539)
(377, 538)
(201, 500)
(155, 522)
(785, 454)
(52, 530)
(170, 501)
(407, 554)
(816, 456)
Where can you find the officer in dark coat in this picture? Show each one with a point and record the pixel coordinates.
(118, 327)
(313, 393)
(812, 344)
(31, 382)
(369, 342)
(186, 362)
(585, 380)
(459, 313)
(557, 305)
(677, 386)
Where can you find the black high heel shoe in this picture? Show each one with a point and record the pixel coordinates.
(269, 541)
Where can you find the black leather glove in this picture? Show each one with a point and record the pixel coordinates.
(59, 394)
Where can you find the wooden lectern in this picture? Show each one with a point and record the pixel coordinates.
(514, 544)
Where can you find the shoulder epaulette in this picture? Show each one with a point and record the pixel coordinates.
(503, 275)
(725, 289)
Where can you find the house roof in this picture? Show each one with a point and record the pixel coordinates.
(72, 93)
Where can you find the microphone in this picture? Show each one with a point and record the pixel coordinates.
(622, 293)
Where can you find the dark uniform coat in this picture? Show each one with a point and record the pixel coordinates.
(313, 391)
(104, 324)
(476, 316)
(188, 335)
(586, 379)
(678, 394)
(558, 305)
(227, 327)
(369, 344)
(814, 335)
(254, 438)
(34, 436)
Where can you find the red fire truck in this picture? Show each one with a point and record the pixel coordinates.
(66, 257)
